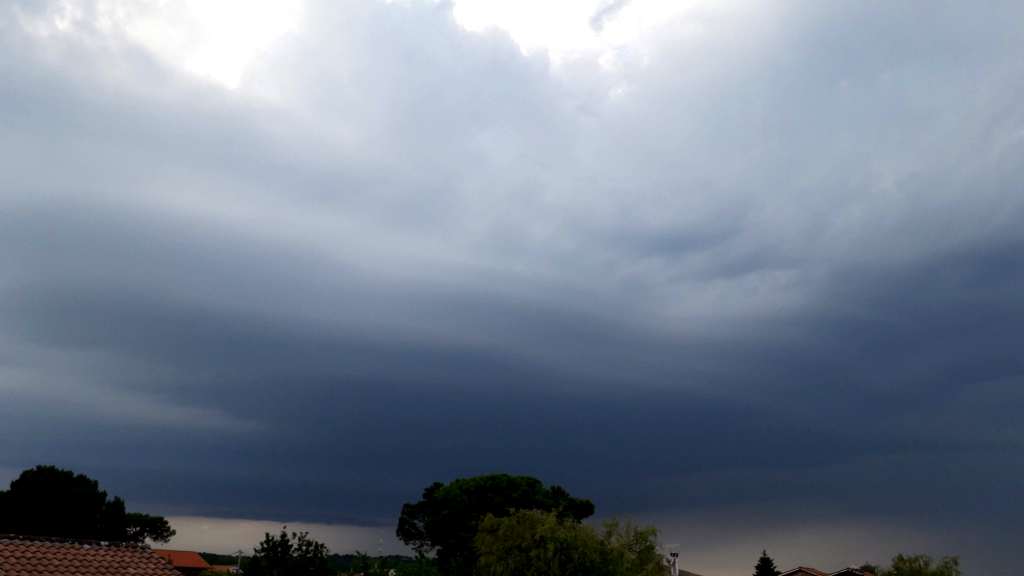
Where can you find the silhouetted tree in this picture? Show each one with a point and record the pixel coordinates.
(765, 565)
(446, 519)
(289, 555)
(142, 527)
(49, 501)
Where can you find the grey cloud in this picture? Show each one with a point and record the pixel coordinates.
(778, 274)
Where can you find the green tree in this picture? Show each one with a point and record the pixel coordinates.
(536, 543)
(445, 521)
(288, 555)
(765, 565)
(922, 565)
(49, 501)
(631, 550)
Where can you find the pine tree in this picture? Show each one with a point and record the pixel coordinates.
(765, 565)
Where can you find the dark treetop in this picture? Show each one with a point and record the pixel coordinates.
(49, 501)
(448, 516)
(765, 565)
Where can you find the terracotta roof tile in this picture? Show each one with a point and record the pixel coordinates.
(182, 558)
(21, 556)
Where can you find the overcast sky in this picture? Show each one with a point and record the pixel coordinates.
(750, 271)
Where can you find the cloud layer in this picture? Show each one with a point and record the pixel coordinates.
(763, 262)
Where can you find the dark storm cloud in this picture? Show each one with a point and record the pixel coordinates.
(778, 272)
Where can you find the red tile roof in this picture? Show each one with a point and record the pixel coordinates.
(182, 558)
(22, 556)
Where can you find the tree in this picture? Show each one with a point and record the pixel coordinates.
(631, 550)
(922, 565)
(535, 543)
(49, 501)
(765, 565)
(142, 527)
(289, 555)
(445, 521)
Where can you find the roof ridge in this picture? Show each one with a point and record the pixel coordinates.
(177, 550)
(73, 541)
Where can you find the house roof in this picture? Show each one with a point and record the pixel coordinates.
(804, 570)
(852, 572)
(183, 558)
(24, 556)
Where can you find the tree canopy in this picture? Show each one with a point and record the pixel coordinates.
(765, 565)
(49, 501)
(922, 565)
(289, 555)
(446, 519)
(630, 550)
(535, 543)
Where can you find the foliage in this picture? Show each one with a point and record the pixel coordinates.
(445, 521)
(362, 563)
(49, 501)
(536, 543)
(140, 527)
(223, 559)
(288, 555)
(422, 565)
(629, 550)
(922, 565)
(765, 565)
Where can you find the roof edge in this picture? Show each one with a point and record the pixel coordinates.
(73, 541)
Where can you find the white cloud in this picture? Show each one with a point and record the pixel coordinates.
(216, 40)
(567, 30)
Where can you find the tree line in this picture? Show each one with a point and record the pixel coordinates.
(901, 565)
(491, 525)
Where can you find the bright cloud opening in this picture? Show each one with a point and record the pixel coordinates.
(213, 39)
(219, 39)
(570, 28)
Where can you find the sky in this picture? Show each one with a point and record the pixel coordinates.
(751, 272)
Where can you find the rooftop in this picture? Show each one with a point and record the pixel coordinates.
(27, 556)
(183, 558)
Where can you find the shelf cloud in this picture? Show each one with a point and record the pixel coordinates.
(769, 264)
